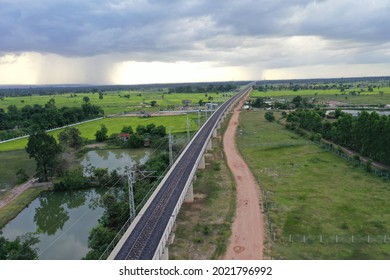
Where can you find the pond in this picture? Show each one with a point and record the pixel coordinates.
(61, 221)
(119, 159)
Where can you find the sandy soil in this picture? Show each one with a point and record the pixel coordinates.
(15, 192)
(246, 242)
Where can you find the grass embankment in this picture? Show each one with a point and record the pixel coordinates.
(204, 227)
(311, 192)
(13, 208)
(10, 163)
(115, 125)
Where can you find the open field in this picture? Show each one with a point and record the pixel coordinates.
(115, 124)
(114, 102)
(10, 163)
(311, 192)
(204, 226)
(335, 95)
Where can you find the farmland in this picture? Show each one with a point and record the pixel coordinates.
(374, 97)
(10, 163)
(114, 102)
(311, 193)
(115, 124)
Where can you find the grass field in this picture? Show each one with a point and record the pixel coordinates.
(115, 124)
(10, 163)
(114, 102)
(335, 95)
(311, 192)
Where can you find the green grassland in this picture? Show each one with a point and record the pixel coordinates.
(114, 102)
(366, 97)
(114, 125)
(311, 192)
(10, 163)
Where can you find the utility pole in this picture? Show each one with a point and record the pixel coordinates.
(130, 182)
(199, 118)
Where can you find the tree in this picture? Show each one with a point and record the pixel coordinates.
(101, 95)
(22, 175)
(136, 140)
(127, 129)
(297, 101)
(153, 103)
(71, 137)
(141, 129)
(86, 99)
(45, 150)
(19, 249)
(269, 116)
(101, 135)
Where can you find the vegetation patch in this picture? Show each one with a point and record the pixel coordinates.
(10, 163)
(13, 208)
(309, 193)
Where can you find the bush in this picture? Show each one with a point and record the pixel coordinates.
(269, 116)
(369, 165)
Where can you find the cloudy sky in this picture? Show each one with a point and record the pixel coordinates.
(153, 41)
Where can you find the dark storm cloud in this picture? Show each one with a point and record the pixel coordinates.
(183, 30)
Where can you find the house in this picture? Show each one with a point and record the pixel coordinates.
(124, 136)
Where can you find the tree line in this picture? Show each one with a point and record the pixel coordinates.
(368, 133)
(16, 122)
(203, 89)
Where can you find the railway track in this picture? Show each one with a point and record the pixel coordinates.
(143, 241)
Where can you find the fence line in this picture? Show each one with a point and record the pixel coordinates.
(379, 172)
(53, 129)
(331, 239)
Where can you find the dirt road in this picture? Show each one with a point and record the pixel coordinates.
(246, 242)
(15, 192)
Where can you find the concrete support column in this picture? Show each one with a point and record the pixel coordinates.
(209, 145)
(189, 198)
(202, 163)
(165, 254)
(215, 133)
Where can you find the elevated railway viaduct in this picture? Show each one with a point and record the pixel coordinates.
(147, 237)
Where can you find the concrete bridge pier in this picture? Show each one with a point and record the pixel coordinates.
(189, 198)
(165, 254)
(209, 146)
(202, 163)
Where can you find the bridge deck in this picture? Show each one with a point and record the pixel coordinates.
(145, 237)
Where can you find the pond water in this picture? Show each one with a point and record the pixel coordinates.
(61, 221)
(119, 160)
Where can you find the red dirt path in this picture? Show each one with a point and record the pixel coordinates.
(246, 241)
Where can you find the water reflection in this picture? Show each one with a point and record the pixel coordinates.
(51, 215)
(120, 160)
(62, 221)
